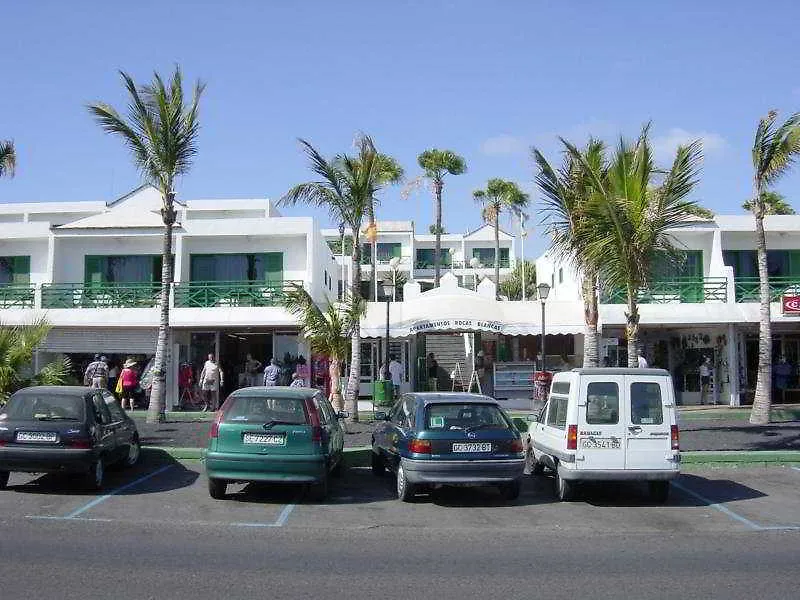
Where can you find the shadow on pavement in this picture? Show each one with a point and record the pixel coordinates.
(174, 476)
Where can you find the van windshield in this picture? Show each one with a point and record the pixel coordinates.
(446, 417)
(264, 409)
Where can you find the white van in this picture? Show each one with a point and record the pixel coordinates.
(607, 424)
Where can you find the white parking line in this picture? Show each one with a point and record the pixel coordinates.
(796, 468)
(279, 522)
(721, 508)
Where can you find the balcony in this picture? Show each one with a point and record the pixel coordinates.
(747, 288)
(17, 295)
(100, 295)
(674, 291)
(204, 294)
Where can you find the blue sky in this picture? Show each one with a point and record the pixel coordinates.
(486, 79)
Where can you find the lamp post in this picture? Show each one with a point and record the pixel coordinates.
(341, 248)
(475, 264)
(544, 291)
(393, 264)
(388, 291)
(522, 235)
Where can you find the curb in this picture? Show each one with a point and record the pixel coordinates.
(745, 457)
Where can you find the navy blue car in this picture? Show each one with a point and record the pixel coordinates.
(435, 439)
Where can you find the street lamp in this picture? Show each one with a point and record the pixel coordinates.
(393, 264)
(544, 291)
(388, 292)
(475, 264)
(522, 235)
(341, 248)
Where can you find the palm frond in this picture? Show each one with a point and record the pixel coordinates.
(8, 158)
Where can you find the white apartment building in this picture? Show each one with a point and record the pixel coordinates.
(705, 305)
(94, 269)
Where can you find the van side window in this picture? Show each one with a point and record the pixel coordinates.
(646, 404)
(602, 403)
(557, 415)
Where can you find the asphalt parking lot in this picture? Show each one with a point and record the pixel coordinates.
(161, 490)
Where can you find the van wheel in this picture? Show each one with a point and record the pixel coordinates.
(319, 490)
(405, 489)
(659, 491)
(217, 489)
(378, 468)
(510, 491)
(565, 490)
(4, 479)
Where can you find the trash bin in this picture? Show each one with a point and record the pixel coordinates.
(382, 392)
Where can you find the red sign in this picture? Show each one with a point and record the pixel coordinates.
(791, 305)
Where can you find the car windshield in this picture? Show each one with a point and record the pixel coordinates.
(44, 406)
(444, 417)
(263, 409)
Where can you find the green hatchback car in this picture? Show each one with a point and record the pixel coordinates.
(274, 435)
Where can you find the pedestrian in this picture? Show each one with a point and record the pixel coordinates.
(433, 373)
(252, 368)
(641, 360)
(297, 381)
(396, 372)
(211, 381)
(271, 373)
(113, 375)
(129, 380)
(96, 375)
(705, 381)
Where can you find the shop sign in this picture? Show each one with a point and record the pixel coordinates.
(791, 305)
(456, 325)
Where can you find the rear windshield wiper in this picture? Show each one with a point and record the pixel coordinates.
(273, 422)
(480, 426)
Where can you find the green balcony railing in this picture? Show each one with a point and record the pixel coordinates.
(100, 295)
(747, 288)
(203, 294)
(671, 291)
(17, 295)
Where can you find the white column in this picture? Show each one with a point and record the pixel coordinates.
(177, 274)
(716, 264)
(733, 367)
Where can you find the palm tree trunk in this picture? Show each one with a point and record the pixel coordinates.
(336, 384)
(590, 316)
(632, 327)
(158, 389)
(354, 380)
(497, 252)
(762, 400)
(437, 190)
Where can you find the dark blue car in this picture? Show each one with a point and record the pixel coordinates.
(435, 439)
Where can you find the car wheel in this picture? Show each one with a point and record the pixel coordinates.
(565, 490)
(510, 491)
(535, 467)
(134, 450)
(4, 479)
(405, 489)
(97, 474)
(217, 489)
(319, 490)
(378, 468)
(659, 491)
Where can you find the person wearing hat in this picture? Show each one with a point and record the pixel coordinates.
(129, 382)
(96, 375)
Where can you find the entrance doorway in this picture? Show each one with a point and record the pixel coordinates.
(233, 350)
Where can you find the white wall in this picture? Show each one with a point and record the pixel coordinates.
(745, 240)
(36, 249)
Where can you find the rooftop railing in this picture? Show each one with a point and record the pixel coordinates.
(674, 291)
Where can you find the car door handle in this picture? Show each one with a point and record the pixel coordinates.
(635, 429)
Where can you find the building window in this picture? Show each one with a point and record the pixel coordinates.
(425, 257)
(687, 264)
(388, 251)
(237, 267)
(143, 268)
(486, 256)
(780, 263)
(15, 270)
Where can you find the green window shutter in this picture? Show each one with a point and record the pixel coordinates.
(504, 255)
(273, 267)
(93, 269)
(396, 248)
(794, 263)
(21, 269)
(694, 264)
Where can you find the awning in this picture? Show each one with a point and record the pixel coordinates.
(462, 310)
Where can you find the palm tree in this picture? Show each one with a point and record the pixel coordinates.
(391, 172)
(8, 158)
(511, 287)
(634, 207)
(347, 188)
(161, 131)
(775, 148)
(18, 344)
(328, 331)
(437, 163)
(567, 204)
(774, 204)
(498, 196)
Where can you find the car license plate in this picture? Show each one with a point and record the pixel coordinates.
(265, 439)
(37, 436)
(472, 447)
(601, 443)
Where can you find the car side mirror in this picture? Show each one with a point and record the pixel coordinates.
(343, 414)
(381, 416)
(532, 418)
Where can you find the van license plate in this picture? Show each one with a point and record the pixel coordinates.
(472, 447)
(37, 436)
(601, 443)
(265, 439)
